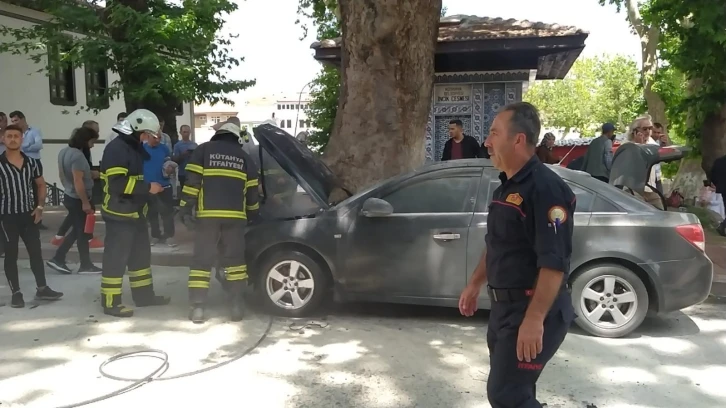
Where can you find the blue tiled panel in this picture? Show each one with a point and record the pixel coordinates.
(494, 99)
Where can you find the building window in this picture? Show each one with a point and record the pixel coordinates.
(215, 119)
(202, 118)
(279, 107)
(307, 123)
(302, 123)
(289, 123)
(282, 124)
(96, 88)
(61, 77)
(179, 110)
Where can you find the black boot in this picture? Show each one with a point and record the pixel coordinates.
(196, 314)
(237, 308)
(152, 300)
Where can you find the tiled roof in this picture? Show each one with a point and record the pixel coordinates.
(469, 28)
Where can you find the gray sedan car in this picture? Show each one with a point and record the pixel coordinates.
(417, 237)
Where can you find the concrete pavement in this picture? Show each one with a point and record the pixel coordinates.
(356, 356)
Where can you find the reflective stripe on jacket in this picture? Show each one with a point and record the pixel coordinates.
(222, 181)
(125, 193)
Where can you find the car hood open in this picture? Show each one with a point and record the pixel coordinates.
(632, 163)
(314, 176)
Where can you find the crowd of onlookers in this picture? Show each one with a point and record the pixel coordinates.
(164, 163)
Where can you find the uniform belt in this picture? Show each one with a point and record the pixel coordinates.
(509, 295)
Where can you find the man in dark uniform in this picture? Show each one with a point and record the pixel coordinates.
(222, 182)
(526, 261)
(125, 194)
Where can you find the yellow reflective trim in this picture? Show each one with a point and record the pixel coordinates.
(240, 268)
(141, 283)
(116, 171)
(252, 183)
(110, 291)
(190, 190)
(112, 281)
(221, 214)
(226, 173)
(195, 168)
(236, 276)
(197, 273)
(182, 203)
(140, 273)
(118, 214)
(198, 285)
(130, 186)
(254, 207)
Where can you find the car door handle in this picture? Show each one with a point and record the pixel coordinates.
(446, 236)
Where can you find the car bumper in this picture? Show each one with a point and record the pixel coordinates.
(681, 284)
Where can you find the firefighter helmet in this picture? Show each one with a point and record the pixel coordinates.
(140, 120)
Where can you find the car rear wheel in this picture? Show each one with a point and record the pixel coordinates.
(292, 284)
(610, 300)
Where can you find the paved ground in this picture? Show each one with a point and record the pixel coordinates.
(363, 356)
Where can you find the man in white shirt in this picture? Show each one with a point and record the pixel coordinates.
(119, 118)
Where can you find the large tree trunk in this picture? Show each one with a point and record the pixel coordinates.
(713, 138)
(649, 39)
(385, 97)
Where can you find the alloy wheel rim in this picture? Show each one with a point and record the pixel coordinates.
(609, 302)
(290, 285)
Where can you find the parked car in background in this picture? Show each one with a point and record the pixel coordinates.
(417, 237)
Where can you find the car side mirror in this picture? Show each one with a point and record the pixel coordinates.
(375, 207)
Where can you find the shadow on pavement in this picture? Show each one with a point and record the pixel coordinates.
(356, 355)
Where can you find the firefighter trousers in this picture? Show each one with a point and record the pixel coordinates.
(126, 245)
(217, 243)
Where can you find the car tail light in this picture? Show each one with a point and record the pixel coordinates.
(693, 233)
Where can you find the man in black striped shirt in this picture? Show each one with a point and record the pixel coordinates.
(19, 216)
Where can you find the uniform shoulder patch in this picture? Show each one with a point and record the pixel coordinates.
(515, 199)
(557, 215)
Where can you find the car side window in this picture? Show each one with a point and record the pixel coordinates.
(437, 195)
(601, 205)
(584, 198)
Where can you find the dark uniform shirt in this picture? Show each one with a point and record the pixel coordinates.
(529, 227)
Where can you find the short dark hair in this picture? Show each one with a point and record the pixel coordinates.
(456, 122)
(658, 125)
(14, 127)
(17, 114)
(2, 114)
(525, 119)
(121, 115)
(89, 123)
(183, 126)
(81, 136)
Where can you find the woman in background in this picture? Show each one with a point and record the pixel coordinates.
(544, 150)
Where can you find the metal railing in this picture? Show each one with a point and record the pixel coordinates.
(54, 195)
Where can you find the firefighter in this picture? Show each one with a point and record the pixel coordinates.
(222, 187)
(125, 194)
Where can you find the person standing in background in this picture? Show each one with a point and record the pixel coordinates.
(119, 118)
(32, 145)
(182, 151)
(93, 242)
(544, 150)
(657, 139)
(75, 175)
(20, 216)
(599, 155)
(165, 138)
(161, 205)
(459, 145)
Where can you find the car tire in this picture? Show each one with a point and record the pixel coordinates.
(308, 270)
(627, 285)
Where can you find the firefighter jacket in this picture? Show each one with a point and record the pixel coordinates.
(221, 180)
(125, 193)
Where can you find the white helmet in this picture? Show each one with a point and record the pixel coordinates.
(140, 120)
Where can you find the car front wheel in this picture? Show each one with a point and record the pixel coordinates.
(610, 300)
(292, 284)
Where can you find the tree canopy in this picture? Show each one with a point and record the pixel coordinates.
(596, 90)
(164, 52)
